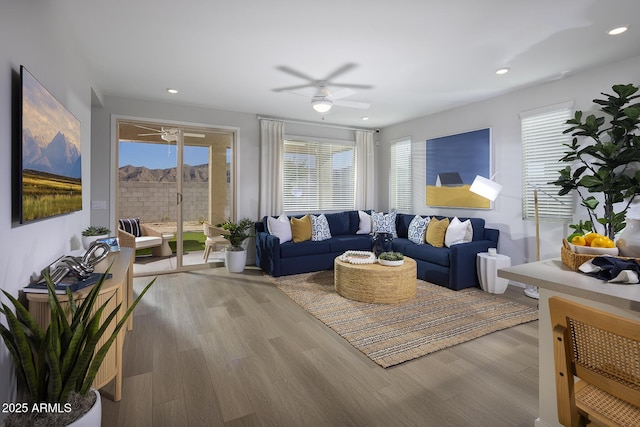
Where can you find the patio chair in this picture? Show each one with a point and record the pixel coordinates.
(132, 234)
(214, 239)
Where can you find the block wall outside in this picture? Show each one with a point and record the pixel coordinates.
(156, 201)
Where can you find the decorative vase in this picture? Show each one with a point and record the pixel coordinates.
(235, 261)
(382, 242)
(629, 240)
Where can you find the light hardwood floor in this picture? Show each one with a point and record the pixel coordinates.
(211, 348)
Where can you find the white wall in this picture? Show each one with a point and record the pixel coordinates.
(34, 35)
(517, 237)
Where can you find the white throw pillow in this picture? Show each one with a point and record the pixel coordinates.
(280, 227)
(384, 223)
(417, 229)
(365, 223)
(320, 228)
(458, 232)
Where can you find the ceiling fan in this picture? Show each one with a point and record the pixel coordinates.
(324, 99)
(168, 134)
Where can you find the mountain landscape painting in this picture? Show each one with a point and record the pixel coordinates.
(51, 158)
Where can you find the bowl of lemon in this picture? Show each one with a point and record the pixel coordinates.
(592, 244)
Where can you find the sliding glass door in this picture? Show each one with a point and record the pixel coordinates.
(177, 181)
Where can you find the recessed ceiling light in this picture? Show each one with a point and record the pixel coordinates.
(616, 31)
(172, 91)
(365, 118)
(502, 71)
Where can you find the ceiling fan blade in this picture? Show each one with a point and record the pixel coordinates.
(147, 128)
(289, 88)
(340, 71)
(343, 93)
(351, 86)
(150, 134)
(194, 135)
(352, 104)
(296, 73)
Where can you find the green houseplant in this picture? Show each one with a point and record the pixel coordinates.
(95, 230)
(237, 232)
(607, 164)
(235, 256)
(60, 362)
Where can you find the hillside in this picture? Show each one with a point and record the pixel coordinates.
(198, 173)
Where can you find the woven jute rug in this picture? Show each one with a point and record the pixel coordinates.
(389, 334)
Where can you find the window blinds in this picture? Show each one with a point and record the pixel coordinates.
(542, 149)
(318, 176)
(400, 179)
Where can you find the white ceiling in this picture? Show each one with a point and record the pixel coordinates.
(420, 56)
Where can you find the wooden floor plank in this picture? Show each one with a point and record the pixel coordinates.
(216, 348)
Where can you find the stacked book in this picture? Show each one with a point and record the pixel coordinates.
(70, 281)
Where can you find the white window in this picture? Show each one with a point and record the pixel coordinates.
(318, 175)
(542, 148)
(400, 176)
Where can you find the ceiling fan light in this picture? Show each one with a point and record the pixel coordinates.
(321, 105)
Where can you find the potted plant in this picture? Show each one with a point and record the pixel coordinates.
(235, 257)
(93, 233)
(57, 365)
(391, 259)
(604, 169)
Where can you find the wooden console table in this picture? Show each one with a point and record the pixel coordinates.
(120, 287)
(552, 277)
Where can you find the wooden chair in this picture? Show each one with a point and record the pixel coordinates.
(603, 351)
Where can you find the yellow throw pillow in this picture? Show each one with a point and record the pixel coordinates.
(301, 228)
(436, 231)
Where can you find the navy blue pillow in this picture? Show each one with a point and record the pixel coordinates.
(338, 223)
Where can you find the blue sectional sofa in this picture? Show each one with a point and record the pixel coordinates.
(454, 267)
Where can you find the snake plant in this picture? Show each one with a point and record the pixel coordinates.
(64, 357)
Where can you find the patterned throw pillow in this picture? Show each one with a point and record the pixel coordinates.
(384, 223)
(417, 229)
(131, 226)
(319, 228)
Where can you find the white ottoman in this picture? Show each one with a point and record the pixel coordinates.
(488, 266)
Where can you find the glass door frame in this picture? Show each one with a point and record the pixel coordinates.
(114, 177)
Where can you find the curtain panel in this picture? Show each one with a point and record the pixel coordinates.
(365, 177)
(271, 149)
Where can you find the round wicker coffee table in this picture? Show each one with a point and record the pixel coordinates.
(375, 283)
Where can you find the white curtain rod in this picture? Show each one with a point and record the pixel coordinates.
(302, 122)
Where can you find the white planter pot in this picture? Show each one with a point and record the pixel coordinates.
(235, 261)
(93, 418)
(88, 240)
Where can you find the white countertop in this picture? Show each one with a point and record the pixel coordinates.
(552, 274)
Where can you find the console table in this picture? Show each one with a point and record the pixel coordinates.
(120, 286)
(552, 277)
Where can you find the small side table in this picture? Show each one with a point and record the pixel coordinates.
(488, 266)
(164, 249)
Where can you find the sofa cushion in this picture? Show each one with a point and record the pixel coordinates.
(350, 243)
(301, 229)
(383, 223)
(400, 244)
(338, 223)
(148, 241)
(417, 229)
(131, 226)
(458, 232)
(320, 228)
(436, 231)
(364, 223)
(429, 253)
(280, 227)
(291, 249)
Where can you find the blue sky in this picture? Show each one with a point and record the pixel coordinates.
(158, 156)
